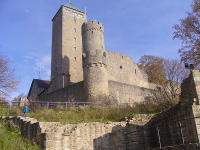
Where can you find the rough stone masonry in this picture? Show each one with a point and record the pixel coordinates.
(83, 70)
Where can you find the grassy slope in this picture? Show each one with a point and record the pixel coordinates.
(88, 114)
(82, 114)
(12, 140)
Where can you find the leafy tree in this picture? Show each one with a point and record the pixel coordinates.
(154, 68)
(7, 79)
(188, 31)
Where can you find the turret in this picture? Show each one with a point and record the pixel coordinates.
(94, 62)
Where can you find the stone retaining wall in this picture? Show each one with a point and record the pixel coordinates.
(134, 135)
(83, 136)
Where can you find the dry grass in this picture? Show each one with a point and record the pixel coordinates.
(85, 114)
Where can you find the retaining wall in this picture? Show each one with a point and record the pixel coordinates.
(84, 136)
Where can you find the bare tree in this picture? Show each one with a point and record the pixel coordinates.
(7, 79)
(170, 90)
(188, 31)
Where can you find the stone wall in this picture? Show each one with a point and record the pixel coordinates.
(84, 136)
(121, 68)
(180, 147)
(71, 93)
(46, 134)
(126, 93)
(190, 88)
(179, 125)
(176, 126)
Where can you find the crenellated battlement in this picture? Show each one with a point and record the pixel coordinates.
(94, 29)
(94, 26)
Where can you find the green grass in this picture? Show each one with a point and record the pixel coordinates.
(7, 111)
(89, 114)
(85, 114)
(10, 139)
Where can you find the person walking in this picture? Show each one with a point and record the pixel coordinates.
(25, 110)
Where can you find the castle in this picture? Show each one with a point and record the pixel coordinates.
(83, 70)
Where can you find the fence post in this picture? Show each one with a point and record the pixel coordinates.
(47, 105)
(159, 139)
(66, 105)
(180, 125)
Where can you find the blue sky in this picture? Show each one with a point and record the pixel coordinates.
(132, 27)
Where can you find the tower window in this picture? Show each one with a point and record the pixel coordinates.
(135, 71)
(74, 19)
(75, 58)
(75, 30)
(121, 67)
(75, 39)
(75, 48)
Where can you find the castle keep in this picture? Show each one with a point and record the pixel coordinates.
(83, 70)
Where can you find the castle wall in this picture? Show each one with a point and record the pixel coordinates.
(126, 93)
(190, 88)
(71, 93)
(121, 68)
(175, 126)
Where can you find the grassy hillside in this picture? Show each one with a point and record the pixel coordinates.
(89, 114)
(11, 139)
(84, 114)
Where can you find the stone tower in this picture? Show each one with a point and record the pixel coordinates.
(66, 66)
(94, 62)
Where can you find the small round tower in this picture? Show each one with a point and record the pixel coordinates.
(94, 62)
